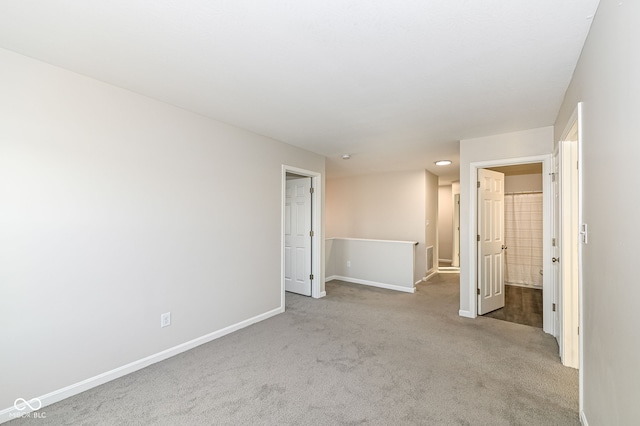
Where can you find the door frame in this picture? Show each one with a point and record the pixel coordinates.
(472, 245)
(455, 256)
(317, 220)
(556, 275)
(577, 119)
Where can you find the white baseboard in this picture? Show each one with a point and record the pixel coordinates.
(322, 294)
(331, 278)
(583, 418)
(373, 283)
(445, 260)
(66, 392)
(421, 280)
(431, 274)
(466, 314)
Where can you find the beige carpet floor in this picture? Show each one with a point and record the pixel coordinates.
(361, 355)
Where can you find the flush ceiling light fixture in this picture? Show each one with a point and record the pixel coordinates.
(346, 156)
(443, 162)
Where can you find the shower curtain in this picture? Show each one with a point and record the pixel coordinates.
(523, 238)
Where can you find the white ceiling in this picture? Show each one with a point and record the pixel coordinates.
(395, 83)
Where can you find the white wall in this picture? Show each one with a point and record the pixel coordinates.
(380, 263)
(115, 209)
(445, 222)
(386, 206)
(505, 146)
(606, 80)
(523, 183)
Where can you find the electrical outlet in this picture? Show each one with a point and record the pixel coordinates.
(165, 319)
(348, 264)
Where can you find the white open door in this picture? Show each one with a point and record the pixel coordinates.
(491, 241)
(567, 260)
(297, 236)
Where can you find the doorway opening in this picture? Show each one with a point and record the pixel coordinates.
(301, 231)
(477, 260)
(449, 228)
(523, 244)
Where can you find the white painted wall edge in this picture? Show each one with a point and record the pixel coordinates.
(76, 388)
(466, 314)
(371, 283)
(378, 241)
(583, 419)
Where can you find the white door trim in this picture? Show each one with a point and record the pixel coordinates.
(471, 243)
(556, 278)
(317, 220)
(577, 117)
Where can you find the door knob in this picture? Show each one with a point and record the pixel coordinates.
(504, 247)
(555, 259)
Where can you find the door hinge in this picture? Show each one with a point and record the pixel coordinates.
(478, 184)
(311, 190)
(553, 177)
(553, 242)
(311, 277)
(478, 291)
(311, 233)
(478, 237)
(553, 307)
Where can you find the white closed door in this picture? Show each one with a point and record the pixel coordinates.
(297, 236)
(491, 241)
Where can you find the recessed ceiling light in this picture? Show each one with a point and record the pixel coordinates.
(443, 162)
(346, 156)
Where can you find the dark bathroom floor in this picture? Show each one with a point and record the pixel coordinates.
(522, 305)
